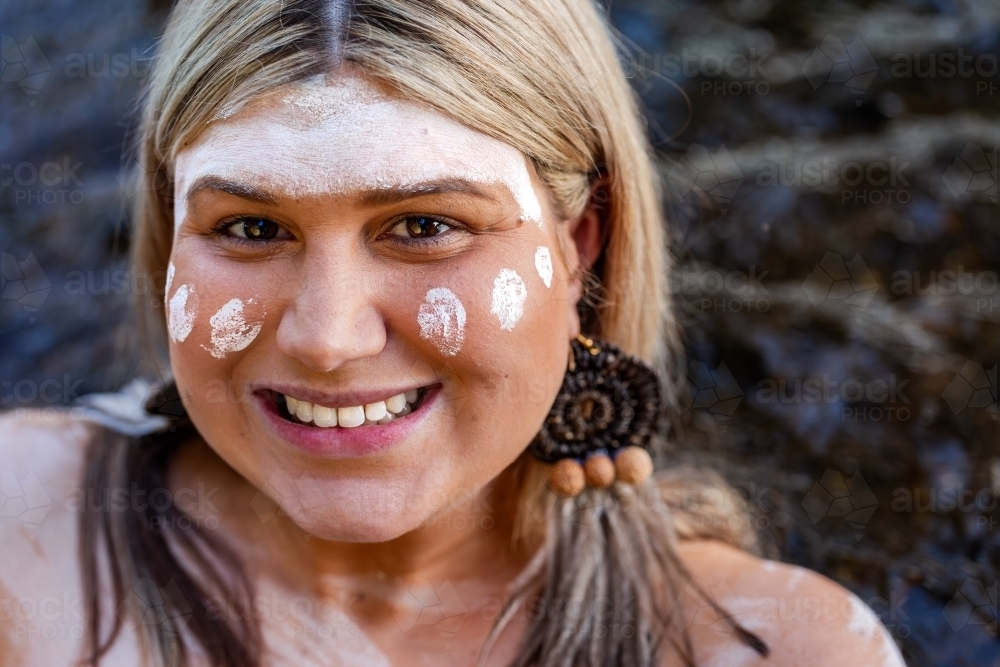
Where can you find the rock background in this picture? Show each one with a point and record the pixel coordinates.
(832, 177)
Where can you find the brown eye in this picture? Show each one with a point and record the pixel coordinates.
(255, 229)
(259, 228)
(419, 227)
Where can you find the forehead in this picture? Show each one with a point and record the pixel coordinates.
(334, 136)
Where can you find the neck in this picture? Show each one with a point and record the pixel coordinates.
(440, 587)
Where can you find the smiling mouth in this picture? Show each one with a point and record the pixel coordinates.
(385, 411)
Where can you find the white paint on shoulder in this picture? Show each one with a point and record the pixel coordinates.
(865, 624)
(862, 620)
(795, 577)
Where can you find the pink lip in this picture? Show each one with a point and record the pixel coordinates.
(342, 443)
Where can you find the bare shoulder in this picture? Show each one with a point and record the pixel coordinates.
(50, 435)
(803, 617)
(41, 459)
(41, 462)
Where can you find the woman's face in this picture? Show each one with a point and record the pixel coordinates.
(366, 257)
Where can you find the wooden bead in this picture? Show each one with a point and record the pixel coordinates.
(600, 471)
(634, 465)
(566, 478)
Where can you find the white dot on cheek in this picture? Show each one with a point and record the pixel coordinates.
(509, 294)
(230, 332)
(543, 264)
(442, 320)
(182, 310)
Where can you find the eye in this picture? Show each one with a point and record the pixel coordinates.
(419, 227)
(254, 229)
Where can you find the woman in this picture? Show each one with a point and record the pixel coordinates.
(383, 228)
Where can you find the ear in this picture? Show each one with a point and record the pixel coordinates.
(588, 235)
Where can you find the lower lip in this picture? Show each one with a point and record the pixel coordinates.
(342, 443)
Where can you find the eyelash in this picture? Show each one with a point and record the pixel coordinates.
(221, 231)
(426, 241)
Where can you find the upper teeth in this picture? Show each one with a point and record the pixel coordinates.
(379, 412)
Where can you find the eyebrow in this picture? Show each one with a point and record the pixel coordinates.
(235, 188)
(369, 198)
(392, 195)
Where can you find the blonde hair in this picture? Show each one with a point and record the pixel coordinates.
(547, 81)
(543, 76)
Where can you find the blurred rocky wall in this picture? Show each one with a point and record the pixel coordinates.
(832, 176)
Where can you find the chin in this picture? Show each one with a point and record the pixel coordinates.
(356, 531)
(333, 521)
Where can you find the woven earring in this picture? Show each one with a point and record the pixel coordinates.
(602, 420)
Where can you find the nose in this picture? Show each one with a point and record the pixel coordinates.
(331, 318)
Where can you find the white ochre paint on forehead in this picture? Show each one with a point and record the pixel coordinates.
(333, 137)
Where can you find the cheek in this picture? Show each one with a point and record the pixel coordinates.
(496, 327)
(526, 327)
(213, 315)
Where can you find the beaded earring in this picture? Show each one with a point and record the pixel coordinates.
(600, 424)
